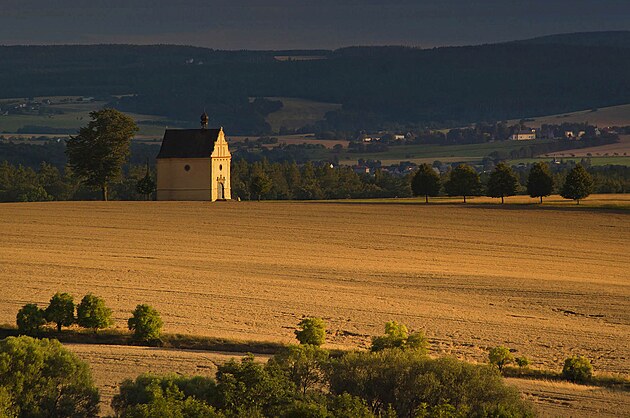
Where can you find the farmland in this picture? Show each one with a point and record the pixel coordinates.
(602, 117)
(547, 283)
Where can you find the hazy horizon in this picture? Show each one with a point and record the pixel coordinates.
(283, 24)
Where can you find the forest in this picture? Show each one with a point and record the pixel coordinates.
(379, 87)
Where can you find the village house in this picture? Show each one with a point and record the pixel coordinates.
(524, 135)
(194, 164)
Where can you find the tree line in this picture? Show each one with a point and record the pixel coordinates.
(464, 181)
(394, 378)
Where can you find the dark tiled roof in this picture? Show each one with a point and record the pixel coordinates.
(188, 143)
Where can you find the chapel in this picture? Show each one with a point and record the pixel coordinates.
(194, 164)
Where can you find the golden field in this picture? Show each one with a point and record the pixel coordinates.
(548, 283)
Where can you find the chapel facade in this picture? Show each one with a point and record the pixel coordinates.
(194, 164)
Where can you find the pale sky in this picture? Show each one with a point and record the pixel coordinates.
(301, 24)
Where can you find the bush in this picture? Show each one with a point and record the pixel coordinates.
(44, 379)
(61, 310)
(313, 331)
(145, 323)
(577, 369)
(151, 395)
(500, 356)
(411, 383)
(397, 336)
(30, 319)
(92, 313)
(522, 361)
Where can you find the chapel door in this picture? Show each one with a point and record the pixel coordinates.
(221, 192)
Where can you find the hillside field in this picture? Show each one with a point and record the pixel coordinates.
(547, 283)
(601, 117)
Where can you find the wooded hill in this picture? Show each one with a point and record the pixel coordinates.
(378, 86)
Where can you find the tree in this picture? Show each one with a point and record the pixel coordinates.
(146, 186)
(30, 319)
(463, 181)
(92, 313)
(397, 336)
(61, 310)
(145, 323)
(502, 182)
(98, 152)
(500, 356)
(46, 380)
(426, 182)
(578, 184)
(313, 331)
(261, 184)
(577, 369)
(539, 181)
(303, 364)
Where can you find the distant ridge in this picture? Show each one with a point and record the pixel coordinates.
(378, 87)
(616, 39)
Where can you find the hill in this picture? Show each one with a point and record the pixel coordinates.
(376, 86)
(615, 39)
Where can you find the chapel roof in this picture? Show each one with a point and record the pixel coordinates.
(188, 143)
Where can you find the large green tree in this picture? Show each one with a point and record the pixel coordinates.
(146, 323)
(30, 319)
(43, 379)
(61, 310)
(539, 181)
(312, 331)
(578, 184)
(100, 149)
(502, 182)
(93, 313)
(426, 182)
(463, 181)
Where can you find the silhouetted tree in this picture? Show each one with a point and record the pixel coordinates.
(539, 181)
(463, 181)
(426, 182)
(98, 152)
(577, 185)
(502, 182)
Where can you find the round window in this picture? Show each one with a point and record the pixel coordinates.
(187, 167)
(220, 167)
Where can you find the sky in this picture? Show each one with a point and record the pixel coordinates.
(301, 24)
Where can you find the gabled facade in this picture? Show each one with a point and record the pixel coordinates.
(194, 164)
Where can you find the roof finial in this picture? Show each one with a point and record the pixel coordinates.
(204, 120)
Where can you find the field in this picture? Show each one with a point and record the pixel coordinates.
(602, 117)
(430, 153)
(297, 113)
(547, 283)
(76, 114)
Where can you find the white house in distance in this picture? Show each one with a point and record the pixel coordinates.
(194, 164)
(524, 135)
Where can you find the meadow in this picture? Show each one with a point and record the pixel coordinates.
(548, 283)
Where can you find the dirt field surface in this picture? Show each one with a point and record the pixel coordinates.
(547, 283)
(560, 399)
(621, 148)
